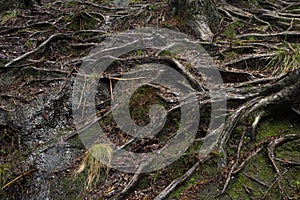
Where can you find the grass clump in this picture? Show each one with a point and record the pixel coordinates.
(97, 161)
(285, 60)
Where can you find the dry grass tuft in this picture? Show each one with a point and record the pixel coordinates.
(97, 160)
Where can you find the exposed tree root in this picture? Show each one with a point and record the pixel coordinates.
(58, 36)
(277, 142)
(172, 186)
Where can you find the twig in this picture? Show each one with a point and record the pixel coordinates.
(256, 180)
(17, 178)
(277, 179)
(253, 153)
(111, 90)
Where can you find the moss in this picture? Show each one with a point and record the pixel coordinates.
(230, 55)
(140, 103)
(10, 15)
(73, 26)
(89, 23)
(230, 31)
(70, 4)
(260, 166)
(29, 43)
(192, 181)
(273, 127)
(236, 190)
(168, 53)
(68, 18)
(289, 150)
(143, 183)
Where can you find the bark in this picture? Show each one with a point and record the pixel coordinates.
(201, 16)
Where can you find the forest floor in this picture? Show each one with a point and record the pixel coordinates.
(42, 50)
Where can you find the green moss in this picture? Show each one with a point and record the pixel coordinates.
(289, 150)
(236, 190)
(168, 53)
(206, 170)
(273, 127)
(28, 43)
(73, 26)
(260, 167)
(10, 15)
(177, 193)
(68, 18)
(252, 38)
(152, 6)
(230, 55)
(89, 23)
(143, 183)
(230, 31)
(12, 163)
(70, 4)
(140, 103)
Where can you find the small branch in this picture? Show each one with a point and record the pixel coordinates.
(296, 110)
(253, 153)
(256, 180)
(17, 178)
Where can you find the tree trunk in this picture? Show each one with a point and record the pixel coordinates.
(201, 16)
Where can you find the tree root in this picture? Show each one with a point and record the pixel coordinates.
(58, 36)
(166, 192)
(281, 35)
(235, 163)
(244, 61)
(277, 142)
